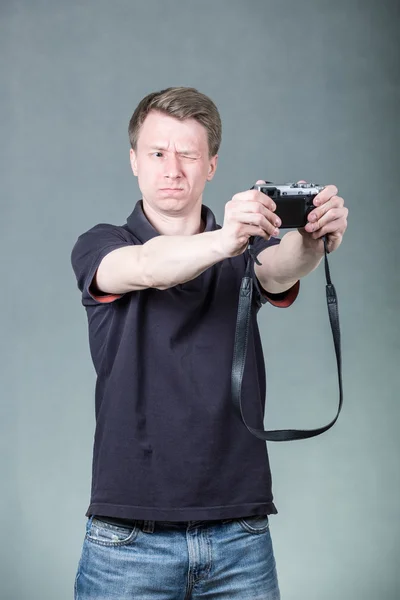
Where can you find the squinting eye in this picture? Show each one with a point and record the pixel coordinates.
(158, 153)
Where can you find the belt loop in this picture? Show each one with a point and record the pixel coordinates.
(89, 522)
(148, 526)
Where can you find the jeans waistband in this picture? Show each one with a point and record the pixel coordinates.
(149, 526)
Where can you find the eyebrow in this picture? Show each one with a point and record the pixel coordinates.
(163, 149)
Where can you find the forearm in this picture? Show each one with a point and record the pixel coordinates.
(293, 258)
(168, 260)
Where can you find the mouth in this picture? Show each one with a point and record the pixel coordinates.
(171, 191)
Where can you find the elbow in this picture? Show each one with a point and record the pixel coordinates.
(148, 275)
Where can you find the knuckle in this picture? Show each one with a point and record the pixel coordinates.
(341, 213)
(325, 208)
(336, 201)
(259, 219)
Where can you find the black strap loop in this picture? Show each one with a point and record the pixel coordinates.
(240, 351)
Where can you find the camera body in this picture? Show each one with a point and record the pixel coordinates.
(294, 201)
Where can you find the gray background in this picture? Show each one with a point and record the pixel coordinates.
(306, 90)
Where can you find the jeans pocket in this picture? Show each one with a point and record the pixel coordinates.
(106, 534)
(255, 524)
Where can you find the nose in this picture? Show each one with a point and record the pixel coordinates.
(172, 168)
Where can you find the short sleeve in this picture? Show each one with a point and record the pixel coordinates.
(282, 300)
(87, 254)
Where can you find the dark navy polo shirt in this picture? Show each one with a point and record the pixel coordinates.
(168, 444)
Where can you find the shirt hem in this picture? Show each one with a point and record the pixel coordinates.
(207, 513)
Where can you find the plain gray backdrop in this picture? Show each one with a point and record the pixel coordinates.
(306, 90)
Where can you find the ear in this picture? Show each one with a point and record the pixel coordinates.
(133, 161)
(212, 167)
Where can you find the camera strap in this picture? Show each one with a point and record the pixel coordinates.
(240, 351)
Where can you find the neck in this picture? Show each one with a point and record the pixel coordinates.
(173, 222)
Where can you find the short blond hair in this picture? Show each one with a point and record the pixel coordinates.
(181, 103)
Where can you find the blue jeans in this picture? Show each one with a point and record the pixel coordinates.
(187, 560)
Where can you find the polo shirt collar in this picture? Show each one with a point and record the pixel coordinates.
(141, 227)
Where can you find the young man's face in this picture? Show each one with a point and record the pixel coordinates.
(172, 163)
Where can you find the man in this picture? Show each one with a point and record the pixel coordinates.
(181, 491)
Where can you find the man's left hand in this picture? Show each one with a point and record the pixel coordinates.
(328, 218)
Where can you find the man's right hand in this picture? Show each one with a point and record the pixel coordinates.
(248, 214)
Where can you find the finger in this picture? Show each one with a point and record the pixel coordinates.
(302, 181)
(252, 230)
(338, 227)
(258, 208)
(255, 196)
(316, 214)
(325, 195)
(331, 215)
(249, 218)
(260, 181)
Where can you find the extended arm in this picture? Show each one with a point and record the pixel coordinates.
(284, 264)
(301, 251)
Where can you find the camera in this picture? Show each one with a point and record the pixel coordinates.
(294, 201)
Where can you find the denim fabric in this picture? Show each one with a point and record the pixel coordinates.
(188, 560)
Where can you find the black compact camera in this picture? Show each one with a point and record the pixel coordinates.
(294, 201)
